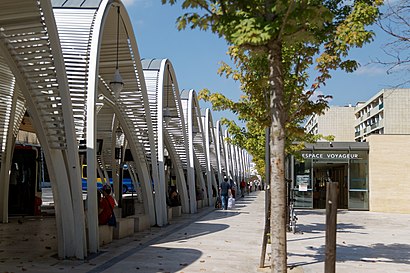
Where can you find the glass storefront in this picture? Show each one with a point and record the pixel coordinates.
(359, 182)
(345, 163)
(302, 188)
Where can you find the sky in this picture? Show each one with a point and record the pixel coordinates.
(196, 56)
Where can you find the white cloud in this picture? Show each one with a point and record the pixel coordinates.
(370, 70)
(316, 95)
(140, 3)
(391, 2)
(128, 2)
(319, 94)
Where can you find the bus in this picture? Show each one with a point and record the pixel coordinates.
(127, 185)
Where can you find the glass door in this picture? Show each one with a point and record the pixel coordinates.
(359, 182)
(302, 184)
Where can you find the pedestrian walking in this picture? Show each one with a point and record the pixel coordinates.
(225, 190)
(242, 185)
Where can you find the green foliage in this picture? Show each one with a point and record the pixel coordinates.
(313, 32)
(253, 107)
(274, 42)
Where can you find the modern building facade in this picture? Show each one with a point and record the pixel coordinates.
(371, 165)
(336, 121)
(342, 162)
(387, 112)
(389, 173)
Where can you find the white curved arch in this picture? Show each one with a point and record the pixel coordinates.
(196, 143)
(228, 155)
(89, 45)
(211, 154)
(235, 162)
(244, 177)
(163, 90)
(221, 155)
(132, 105)
(10, 95)
(31, 50)
(241, 166)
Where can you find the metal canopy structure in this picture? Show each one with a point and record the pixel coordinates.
(197, 164)
(228, 155)
(212, 171)
(91, 63)
(62, 61)
(169, 126)
(31, 52)
(221, 155)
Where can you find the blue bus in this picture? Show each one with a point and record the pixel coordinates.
(127, 185)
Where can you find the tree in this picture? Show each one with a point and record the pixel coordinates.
(251, 71)
(395, 21)
(272, 28)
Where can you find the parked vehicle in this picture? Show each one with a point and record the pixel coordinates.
(127, 185)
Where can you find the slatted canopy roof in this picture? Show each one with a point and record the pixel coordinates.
(76, 3)
(220, 147)
(195, 127)
(96, 44)
(132, 106)
(36, 79)
(211, 138)
(213, 171)
(168, 123)
(173, 117)
(57, 62)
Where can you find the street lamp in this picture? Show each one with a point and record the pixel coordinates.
(117, 84)
(167, 112)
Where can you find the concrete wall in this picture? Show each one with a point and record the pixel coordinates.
(339, 122)
(389, 173)
(396, 111)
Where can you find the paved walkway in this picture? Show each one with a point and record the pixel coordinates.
(218, 241)
(366, 242)
(209, 241)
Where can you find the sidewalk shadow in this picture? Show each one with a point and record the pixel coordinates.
(246, 202)
(315, 228)
(196, 229)
(387, 253)
(162, 259)
(167, 260)
(317, 211)
(250, 197)
(321, 227)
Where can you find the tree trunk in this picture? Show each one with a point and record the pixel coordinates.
(277, 160)
(267, 229)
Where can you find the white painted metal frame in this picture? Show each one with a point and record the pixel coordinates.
(90, 58)
(238, 167)
(211, 153)
(8, 99)
(235, 162)
(59, 72)
(228, 155)
(221, 153)
(31, 49)
(162, 87)
(241, 167)
(196, 145)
